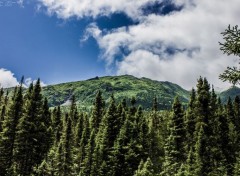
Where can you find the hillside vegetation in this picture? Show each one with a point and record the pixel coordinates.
(121, 86)
(231, 92)
(119, 139)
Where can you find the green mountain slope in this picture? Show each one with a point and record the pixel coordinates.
(231, 92)
(121, 86)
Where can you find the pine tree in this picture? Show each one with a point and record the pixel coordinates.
(88, 160)
(204, 129)
(236, 171)
(236, 107)
(98, 111)
(31, 130)
(145, 169)
(56, 124)
(229, 147)
(81, 148)
(8, 135)
(45, 130)
(201, 163)
(178, 124)
(133, 108)
(67, 143)
(79, 130)
(171, 164)
(62, 162)
(1, 109)
(190, 120)
(73, 114)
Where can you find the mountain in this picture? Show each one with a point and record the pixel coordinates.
(126, 86)
(232, 92)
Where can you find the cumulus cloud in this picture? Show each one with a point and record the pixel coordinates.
(177, 47)
(7, 78)
(82, 8)
(28, 81)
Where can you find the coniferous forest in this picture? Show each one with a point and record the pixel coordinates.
(119, 138)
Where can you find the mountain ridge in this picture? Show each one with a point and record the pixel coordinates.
(123, 86)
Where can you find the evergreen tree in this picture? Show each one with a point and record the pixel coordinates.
(229, 147)
(145, 169)
(201, 162)
(56, 124)
(171, 164)
(236, 107)
(133, 108)
(178, 125)
(8, 135)
(88, 160)
(31, 130)
(98, 111)
(81, 149)
(236, 171)
(67, 141)
(190, 121)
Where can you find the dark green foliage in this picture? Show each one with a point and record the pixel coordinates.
(9, 132)
(32, 129)
(120, 140)
(123, 87)
(145, 169)
(231, 46)
(65, 147)
(97, 111)
(190, 120)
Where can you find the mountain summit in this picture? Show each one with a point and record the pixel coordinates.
(125, 86)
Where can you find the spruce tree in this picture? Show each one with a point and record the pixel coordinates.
(8, 135)
(88, 160)
(145, 169)
(67, 143)
(98, 111)
(190, 121)
(31, 130)
(57, 124)
(236, 171)
(236, 107)
(80, 151)
(201, 162)
(178, 125)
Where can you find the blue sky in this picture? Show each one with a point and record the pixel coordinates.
(61, 41)
(37, 45)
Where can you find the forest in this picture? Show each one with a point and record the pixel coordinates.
(119, 138)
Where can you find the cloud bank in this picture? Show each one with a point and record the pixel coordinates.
(178, 46)
(7, 78)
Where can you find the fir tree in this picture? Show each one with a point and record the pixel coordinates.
(145, 169)
(97, 111)
(8, 135)
(31, 130)
(67, 141)
(88, 160)
(190, 121)
(201, 162)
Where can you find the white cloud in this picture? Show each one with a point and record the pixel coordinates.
(81, 8)
(28, 81)
(193, 33)
(7, 78)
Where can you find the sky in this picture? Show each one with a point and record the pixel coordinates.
(70, 40)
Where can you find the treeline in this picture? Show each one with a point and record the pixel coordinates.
(119, 139)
